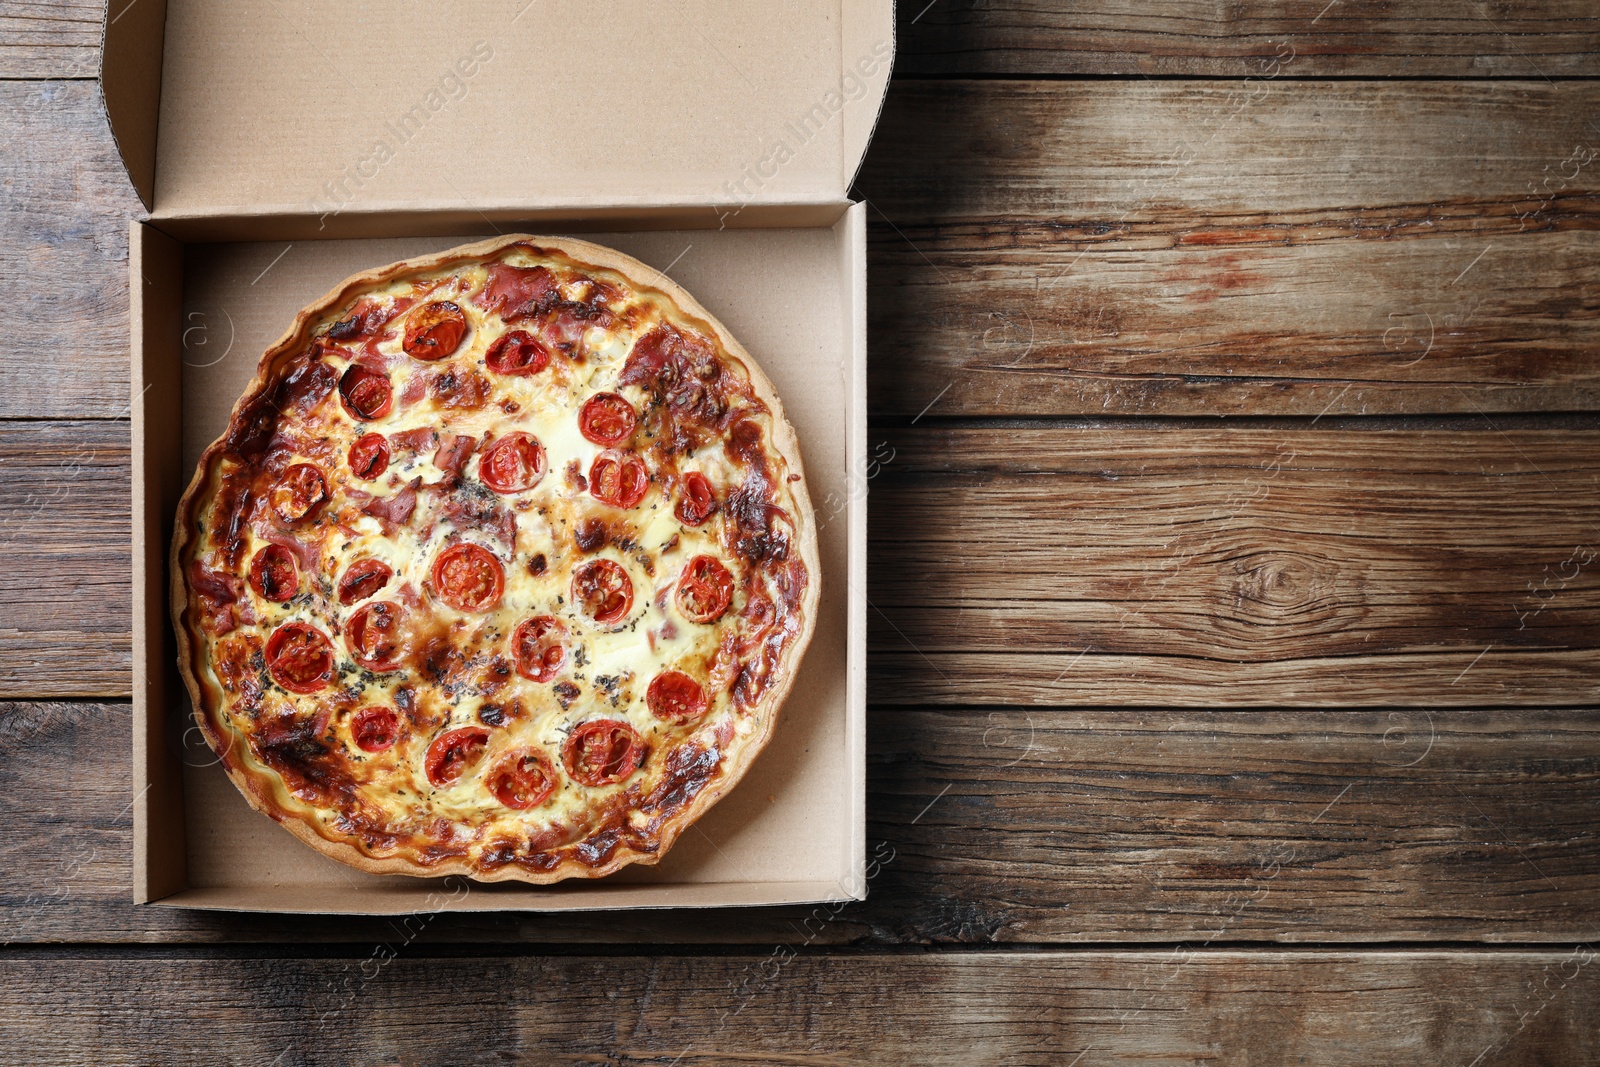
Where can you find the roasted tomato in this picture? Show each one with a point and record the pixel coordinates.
(434, 331)
(705, 589)
(602, 751)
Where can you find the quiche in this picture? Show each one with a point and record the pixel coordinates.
(503, 567)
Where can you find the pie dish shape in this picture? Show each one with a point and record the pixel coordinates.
(503, 567)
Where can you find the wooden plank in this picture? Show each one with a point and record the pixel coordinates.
(64, 530)
(63, 254)
(64, 774)
(1057, 248)
(1551, 38)
(1554, 38)
(1215, 826)
(1168, 1008)
(1142, 564)
(1092, 565)
(1280, 247)
(51, 38)
(1024, 826)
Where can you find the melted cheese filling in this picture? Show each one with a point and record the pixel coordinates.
(607, 667)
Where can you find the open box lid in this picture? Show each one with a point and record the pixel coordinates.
(302, 107)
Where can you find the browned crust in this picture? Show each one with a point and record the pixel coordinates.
(784, 441)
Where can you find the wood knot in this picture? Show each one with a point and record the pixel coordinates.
(1282, 583)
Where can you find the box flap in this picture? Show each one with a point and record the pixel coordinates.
(130, 85)
(868, 57)
(297, 107)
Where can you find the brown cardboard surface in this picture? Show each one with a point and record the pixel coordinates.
(447, 221)
(852, 510)
(794, 828)
(155, 278)
(286, 125)
(301, 108)
(867, 27)
(460, 894)
(130, 85)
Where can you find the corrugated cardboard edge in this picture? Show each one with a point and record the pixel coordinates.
(865, 26)
(155, 278)
(459, 894)
(131, 42)
(855, 269)
(385, 218)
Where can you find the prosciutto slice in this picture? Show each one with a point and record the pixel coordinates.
(395, 509)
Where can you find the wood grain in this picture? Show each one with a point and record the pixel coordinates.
(1551, 38)
(1090, 565)
(1168, 1008)
(64, 774)
(1042, 826)
(63, 254)
(1216, 826)
(51, 38)
(1554, 38)
(1277, 247)
(1253, 245)
(1170, 564)
(1213, 247)
(65, 597)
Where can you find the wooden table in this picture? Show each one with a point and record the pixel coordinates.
(1236, 600)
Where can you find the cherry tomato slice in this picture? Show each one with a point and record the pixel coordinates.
(513, 464)
(539, 648)
(705, 589)
(365, 393)
(602, 751)
(299, 492)
(468, 578)
(300, 657)
(618, 479)
(607, 419)
(365, 577)
(517, 352)
(452, 754)
(375, 729)
(676, 697)
(698, 501)
(373, 635)
(523, 778)
(369, 456)
(603, 590)
(434, 331)
(273, 575)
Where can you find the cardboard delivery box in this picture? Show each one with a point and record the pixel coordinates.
(280, 147)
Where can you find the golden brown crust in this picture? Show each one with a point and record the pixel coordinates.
(784, 442)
